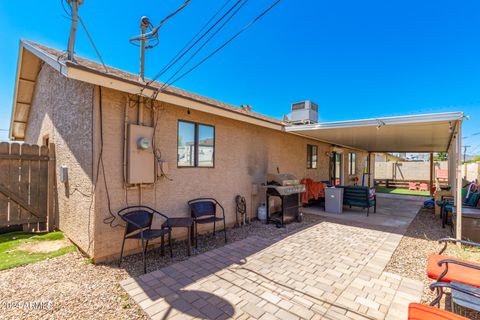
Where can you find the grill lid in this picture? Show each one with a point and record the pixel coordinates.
(283, 179)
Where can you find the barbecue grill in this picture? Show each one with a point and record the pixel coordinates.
(287, 188)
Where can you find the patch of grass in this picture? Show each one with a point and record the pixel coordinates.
(11, 258)
(407, 192)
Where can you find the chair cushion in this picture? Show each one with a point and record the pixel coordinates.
(417, 311)
(455, 272)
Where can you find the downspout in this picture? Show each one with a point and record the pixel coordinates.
(125, 133)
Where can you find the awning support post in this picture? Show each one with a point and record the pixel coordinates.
(431, 173)
(458, 191)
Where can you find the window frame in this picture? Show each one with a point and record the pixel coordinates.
(196, 143)
(310, 162)
(352, 163)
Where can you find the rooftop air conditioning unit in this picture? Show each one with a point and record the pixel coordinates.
(305, 112)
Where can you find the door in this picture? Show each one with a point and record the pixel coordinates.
(336, 169)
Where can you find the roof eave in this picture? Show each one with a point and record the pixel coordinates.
(420, 118)
(15, 91)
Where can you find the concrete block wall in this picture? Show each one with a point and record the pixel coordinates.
(407, 170)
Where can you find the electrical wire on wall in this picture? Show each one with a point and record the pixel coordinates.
(156, 151)
(111, 219)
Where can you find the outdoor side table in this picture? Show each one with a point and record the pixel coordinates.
(187, 223)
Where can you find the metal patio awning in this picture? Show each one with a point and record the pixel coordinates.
(415, 133)
(436, 132)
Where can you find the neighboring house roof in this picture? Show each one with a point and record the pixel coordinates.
(32, 54)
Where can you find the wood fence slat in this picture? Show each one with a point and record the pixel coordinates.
(43, 183)
(4, 176)
(26, 173)
(14, 185)
(34, 178)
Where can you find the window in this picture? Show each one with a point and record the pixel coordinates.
(352, 166)
(312, 156)
(196, 145)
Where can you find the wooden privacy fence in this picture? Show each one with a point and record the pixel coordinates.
(26, 185)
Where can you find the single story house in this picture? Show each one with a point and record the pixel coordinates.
(200, 147)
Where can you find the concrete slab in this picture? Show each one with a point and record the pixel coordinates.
(391, 212)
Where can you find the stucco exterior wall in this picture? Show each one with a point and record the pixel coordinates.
(62, 110)
(244, 154)
(68, 112)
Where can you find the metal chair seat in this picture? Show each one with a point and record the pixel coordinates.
(203, 211)
(138, 226)
(208, 220)
(149, 234)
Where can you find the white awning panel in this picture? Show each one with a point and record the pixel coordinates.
(417, 133)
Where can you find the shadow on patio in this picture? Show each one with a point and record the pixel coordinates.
(324, 267)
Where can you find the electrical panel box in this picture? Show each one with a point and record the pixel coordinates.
(63, 174)
(140, 155)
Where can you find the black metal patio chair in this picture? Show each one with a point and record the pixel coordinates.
(203, 211)
(139, 226)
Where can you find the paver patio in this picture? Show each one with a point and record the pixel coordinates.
(330, 270)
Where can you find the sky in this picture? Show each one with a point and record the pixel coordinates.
(356, 59)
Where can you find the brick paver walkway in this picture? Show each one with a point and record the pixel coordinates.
(327, 271)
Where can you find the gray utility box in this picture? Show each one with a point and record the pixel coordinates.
(334, 200)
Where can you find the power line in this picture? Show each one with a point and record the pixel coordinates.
(153, 33)
(206, 42)
(223, 45)
(194, 44)
(193, 38)
(171, 15)
(93, 44)
(69, 14)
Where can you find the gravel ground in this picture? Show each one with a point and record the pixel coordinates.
(420, 240)
(70, 287)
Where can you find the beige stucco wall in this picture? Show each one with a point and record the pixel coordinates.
(68, 112)
(62, 109)
(244, 154)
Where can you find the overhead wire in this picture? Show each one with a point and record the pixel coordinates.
(165, 69)
(69, 14)
(207, 41)
(166, 85)
(153, 33)
(93, 44)
(193, 38)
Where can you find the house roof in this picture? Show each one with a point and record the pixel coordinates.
(416, 133)
(32, 54)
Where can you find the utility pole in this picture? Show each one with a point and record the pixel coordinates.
(74, 4)
(465, 153)
(144, 23)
